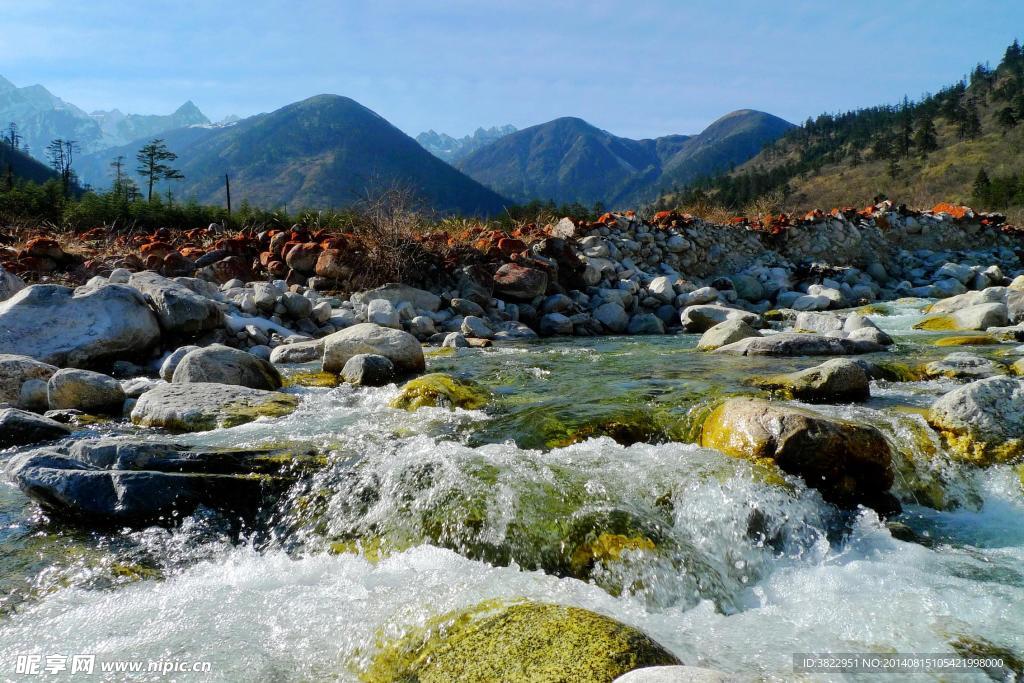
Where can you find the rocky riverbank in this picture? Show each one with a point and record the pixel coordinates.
(123, 400)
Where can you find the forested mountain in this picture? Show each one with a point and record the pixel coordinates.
(323, 152)
(16, 165)
(964, 143)
(569, 160)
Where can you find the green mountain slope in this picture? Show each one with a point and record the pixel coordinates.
(569, 160)
(17, 165)
(326, 151)
(964, 144)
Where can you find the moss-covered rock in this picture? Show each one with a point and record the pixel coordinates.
(966, 340)
(839, 379)
(516, 643)
(977, 317)
(440, 390)
(311, 378)
(849, 463)
(982, 422)
(202, 406)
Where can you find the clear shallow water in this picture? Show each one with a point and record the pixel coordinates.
(454, 508)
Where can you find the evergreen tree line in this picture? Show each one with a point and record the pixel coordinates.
(890, 132)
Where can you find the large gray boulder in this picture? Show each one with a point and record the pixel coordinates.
(796, 344)
(200, 407)
(18, 427)
(77, 328)
(224, 365)
(982, 422)
(16, 370)
(401, 348)
(725, 333)
(703, 317)
(299, 352)
(848, 462)
(612, 316)
(180, 310)
(368, 370)
(90, 392)
(976, 317)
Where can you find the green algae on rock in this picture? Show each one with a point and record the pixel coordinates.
(982, 422)
(440, 390)
(516, 643)
(839, 379)
(203, 406)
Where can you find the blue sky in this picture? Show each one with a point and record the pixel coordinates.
(637, 68)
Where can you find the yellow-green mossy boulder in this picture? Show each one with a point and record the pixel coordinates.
(977, 317)
(967, 340)
(839, 379)
(518, 643)
(440, 390)
(982, 422)
(848, 462)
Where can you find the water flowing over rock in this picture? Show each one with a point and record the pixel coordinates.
(55, 325)
(849, 463)
(18, 427)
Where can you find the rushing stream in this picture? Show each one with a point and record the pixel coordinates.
(419, 513)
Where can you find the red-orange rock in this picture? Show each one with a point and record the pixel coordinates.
(331, 264)
(231, 268)
(511, 246)
(44, 247)
(177, 265)
(160, 249)
(38, 264)
(519, 282)
(277, 243)
(302, 257)
(277, 269)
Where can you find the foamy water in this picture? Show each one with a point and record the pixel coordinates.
(748, 570)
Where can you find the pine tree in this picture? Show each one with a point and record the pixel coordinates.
(1006, 119)
(926, 139)
(982, 188)
(151, 160)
